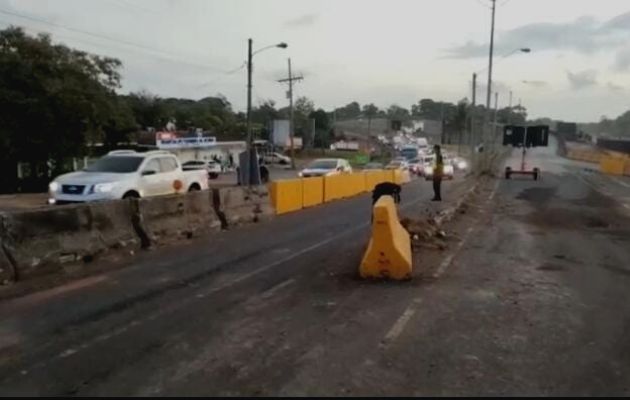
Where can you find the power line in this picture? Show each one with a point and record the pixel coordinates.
(104, 37)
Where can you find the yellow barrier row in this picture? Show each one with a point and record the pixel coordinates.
(614, 165)
(585, 155)
(294, 194)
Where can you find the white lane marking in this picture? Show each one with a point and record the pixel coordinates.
(449, 259)
(273, 290)
(494, 190)
(620, 181)
(401, 322)
(184, 302)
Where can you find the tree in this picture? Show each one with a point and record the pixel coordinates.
(52, 99)
(370, 111)
(148, 110)
(396, 112)
(349, 111)
(263, 116)
(323, 131)
(302, 108)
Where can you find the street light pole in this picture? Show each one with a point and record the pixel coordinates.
(489, 88)
(472, 114)
(252, 161)
(249, 96)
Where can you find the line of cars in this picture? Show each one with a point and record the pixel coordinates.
(423, 165)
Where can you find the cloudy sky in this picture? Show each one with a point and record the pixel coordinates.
(381, 51)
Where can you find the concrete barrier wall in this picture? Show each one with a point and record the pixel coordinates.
(243, 205)
(36, 242)
(40, 241)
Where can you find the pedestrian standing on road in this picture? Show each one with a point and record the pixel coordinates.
(438, 172)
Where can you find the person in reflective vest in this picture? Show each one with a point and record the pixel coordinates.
(438, 172)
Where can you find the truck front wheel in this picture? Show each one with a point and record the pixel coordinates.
(131, 195)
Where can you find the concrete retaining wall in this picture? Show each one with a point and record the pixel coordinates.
(41, 241)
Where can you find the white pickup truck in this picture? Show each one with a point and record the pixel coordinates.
(123, 174)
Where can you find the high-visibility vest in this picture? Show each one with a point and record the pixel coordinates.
(439, 166)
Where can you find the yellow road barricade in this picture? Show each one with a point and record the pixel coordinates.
(388, 254)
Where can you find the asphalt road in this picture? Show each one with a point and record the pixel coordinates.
(529, 298)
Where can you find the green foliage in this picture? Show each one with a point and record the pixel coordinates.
(53, 99)
(350, 110)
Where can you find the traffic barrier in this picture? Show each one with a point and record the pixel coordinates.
(388, 254)
(312, 191)
(373, 178)
(35, 242)
(41, 241)
(287, 195)
(585, 155)
(390, 175)
(244, 204)
(355, 184)
(333, 188)
(612, 165)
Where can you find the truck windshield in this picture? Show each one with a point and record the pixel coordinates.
(323, 164)
(116, 164)
(409, 153)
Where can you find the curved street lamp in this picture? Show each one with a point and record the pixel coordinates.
(252, 159)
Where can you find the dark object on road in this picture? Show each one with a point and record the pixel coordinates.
(527, 136)
(264, 174)
(386, 189)
(438, 172)
(524, 137)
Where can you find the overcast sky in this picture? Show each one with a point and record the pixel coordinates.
(381, 51)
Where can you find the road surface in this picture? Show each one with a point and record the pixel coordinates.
(530, 298)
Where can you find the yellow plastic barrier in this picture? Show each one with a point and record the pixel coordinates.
(312, 191)
(373, 178)
(357, 183)
(390, 175)
(286, 195)
(333, 188)
(406, 177)
(388, 254)
(612, 165)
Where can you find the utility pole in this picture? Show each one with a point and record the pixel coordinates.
(249, 95)
(509, 118)
(489, 92)
(290, 79)
(472, 114)
(443, 138)
(494, 124)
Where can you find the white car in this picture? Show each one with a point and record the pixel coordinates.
(398, 164)
(277, 158)
(449, 171)
(212, 167)
(326, 167)
(123, 174)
